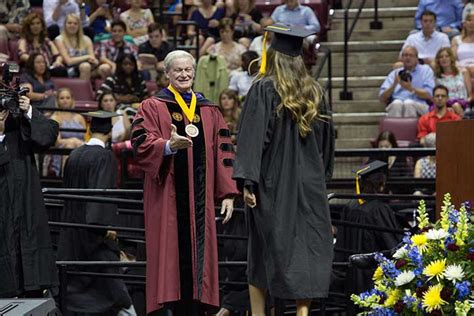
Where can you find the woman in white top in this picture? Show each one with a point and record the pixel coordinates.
(463, 45)
(137, 20)
(76, 49)
(120, 124)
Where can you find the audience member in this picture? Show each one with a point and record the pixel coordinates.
(427, 41)
(37, 79)
(100, 18)
(468, 9)
(229, 106)
(397, 166)
(227, 47)
(156, 46)
(127, 84)
(406, 90)
(246, 19)
(427, 122)
(109, 50)
(34, 39)
(207, 17)
(257, 42)
(448, 13)
(463, 45)
(121, 123)
(12, 12)
(293, 13)
(425, 168)
(55, 13)
(241, 81)
(212, 76)
(76, 49)
(458, 81)
(137, 20)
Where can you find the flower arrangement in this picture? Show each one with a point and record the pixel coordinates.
(431, 273)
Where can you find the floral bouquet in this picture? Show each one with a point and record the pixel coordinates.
(431, 273)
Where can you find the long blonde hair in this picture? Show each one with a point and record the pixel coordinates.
(300, 94)
(81, 43)
(464, 30)
(438, 70)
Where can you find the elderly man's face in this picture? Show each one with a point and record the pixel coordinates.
(409, 58)
(181, 74)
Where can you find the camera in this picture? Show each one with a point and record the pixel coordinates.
(405, 75)
(10, 96)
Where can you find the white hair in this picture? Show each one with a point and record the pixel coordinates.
(172, 56)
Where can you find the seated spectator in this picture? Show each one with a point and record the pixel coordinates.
(156, 46)
(468, 9)
(257, 42)
(109, 50)
(162, 81)
(406, 90)
(425, 168)
(207, 17)
(100, 18)
(397, 166)
(34, 39)
(463, 45)
(120, 124)
(241, 81)
(76, 49)
(448, 13)
(55, 13)
(458, 81)
(427, 41)
(37, 79)
(229, 106)
(227, 47)
(137, 21)
(12, 12)
(427, 123)
(293, 13)
(246, 19)
(127, 84)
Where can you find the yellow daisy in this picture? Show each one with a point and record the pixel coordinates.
(435, 269)
(421, 241)
(432, 298)
(378, 274)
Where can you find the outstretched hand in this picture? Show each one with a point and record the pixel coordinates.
(177, 141)
(227, 209)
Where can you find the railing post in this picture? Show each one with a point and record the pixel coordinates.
(62, 286)
(329, 78)
(345, 94)
(376, 24)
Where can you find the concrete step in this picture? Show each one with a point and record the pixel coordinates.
(358, 118)
(358, 93)
(370, 57)
(353, 82)
(350, 131)
(353, 143)
(382, 4)
(382, 12)
(357, 106)
(343, 167)
(381, 69)
(365, 46)
(371, 35)
(387, 23)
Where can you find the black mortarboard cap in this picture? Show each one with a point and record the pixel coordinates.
(288, 39)
(372, 167)
(101, 121)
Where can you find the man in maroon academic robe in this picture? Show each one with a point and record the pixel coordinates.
(184, 177)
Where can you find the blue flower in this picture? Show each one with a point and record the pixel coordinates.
(409, 300)
(415, 256)
(463, 288)
(453, 216)
(382, 311)
(407, 239)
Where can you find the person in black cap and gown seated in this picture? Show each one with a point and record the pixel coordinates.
(93, 166)
(284, 158)
(370, 179)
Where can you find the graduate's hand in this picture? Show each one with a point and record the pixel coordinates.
(250, 198)
(177, 141)
(111, 235)
(227, 209)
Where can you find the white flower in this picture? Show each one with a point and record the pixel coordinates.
(454, 273)
(404, 278)
(400, 253)
(436, 234)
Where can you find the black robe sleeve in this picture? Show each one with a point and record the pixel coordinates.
(4, 156)
(41, 131)
(326, 138)
(253, 132)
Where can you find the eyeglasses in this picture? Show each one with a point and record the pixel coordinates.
(440, 96)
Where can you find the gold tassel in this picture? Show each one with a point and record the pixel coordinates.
(263, 64)
(361, 201)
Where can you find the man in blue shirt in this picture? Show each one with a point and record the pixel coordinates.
(406, 94)
(293, 13)
(448, 13)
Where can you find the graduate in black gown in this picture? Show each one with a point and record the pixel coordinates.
(371, 179)
(27, 263)
(92, 166)
(284, 156)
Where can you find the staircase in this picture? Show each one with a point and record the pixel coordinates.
(372, 53)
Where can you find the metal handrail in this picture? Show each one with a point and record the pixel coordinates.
(327, 57)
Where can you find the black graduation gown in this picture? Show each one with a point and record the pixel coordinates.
(27, 262)
(91, 167)
(290, 239)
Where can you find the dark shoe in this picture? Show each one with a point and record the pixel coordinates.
(363, 261)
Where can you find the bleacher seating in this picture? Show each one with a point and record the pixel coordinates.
(82, 89)
(405, 129)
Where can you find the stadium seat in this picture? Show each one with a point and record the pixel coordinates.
(404, 129)
(86, 105)
(81, 89)
(151, 87)
(13, 48)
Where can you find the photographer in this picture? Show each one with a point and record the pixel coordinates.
(27, 264)
(406, 90)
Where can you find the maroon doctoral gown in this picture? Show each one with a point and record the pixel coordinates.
(180, 194)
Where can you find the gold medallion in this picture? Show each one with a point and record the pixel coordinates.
(177, 116)
(191, 130)
(196, 118)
